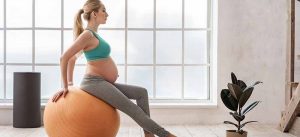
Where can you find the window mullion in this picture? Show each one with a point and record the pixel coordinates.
(126, 38)
(62, 33)
(182, 52)
(4, 48)
(62, 27)
(33, 35)
(209, 51)
(154, 50)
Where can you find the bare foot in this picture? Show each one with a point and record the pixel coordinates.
(149, 135)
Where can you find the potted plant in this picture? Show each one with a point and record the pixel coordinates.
(234, 98)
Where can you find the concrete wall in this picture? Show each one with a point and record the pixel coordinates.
(252, 40)
(253, 36)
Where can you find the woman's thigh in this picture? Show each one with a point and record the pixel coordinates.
(132, 91)
(108, 93)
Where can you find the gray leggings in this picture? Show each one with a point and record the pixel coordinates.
(119, 95)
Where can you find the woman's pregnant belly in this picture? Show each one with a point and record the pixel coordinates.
(105, 68)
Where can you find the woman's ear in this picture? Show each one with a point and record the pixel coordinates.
(94, 14)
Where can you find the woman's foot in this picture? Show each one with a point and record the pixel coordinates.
(149, 135)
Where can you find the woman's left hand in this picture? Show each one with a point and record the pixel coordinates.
(62, 92)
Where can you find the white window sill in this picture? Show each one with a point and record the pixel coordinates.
(152, 105)
(182, 105)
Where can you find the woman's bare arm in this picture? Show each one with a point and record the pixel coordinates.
(70, 70)
(79, 44)
(67, 62)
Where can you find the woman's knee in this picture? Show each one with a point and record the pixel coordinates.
(143, 92)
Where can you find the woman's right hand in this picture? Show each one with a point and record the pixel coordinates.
(63, 92)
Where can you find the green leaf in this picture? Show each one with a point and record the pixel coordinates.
(247, 123)
(250, 107)
(241, 84)
(255, 83)
(252, 86)
(228, 122)
(237, 117)
(229, 101)
(233, 78)
(245, 96)
(235, 90)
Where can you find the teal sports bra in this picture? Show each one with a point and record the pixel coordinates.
(100, 52)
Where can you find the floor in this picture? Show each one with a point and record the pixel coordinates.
(254, 130)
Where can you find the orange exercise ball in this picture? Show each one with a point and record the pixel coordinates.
(80, 114)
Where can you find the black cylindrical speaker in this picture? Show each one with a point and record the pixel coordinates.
(27, 99)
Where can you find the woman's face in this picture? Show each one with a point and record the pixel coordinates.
(102, 15)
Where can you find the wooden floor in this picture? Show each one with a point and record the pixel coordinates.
(179, 130)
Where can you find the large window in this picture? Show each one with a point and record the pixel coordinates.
(166, 46)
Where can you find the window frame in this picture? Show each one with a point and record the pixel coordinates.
(211, 53)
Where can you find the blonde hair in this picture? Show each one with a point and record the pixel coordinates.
(88, 7)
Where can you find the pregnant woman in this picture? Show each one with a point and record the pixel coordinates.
(101, 71)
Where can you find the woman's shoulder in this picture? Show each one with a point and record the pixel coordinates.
(87, 34)
(84, 38)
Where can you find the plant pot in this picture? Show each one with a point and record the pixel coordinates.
(233, 133)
